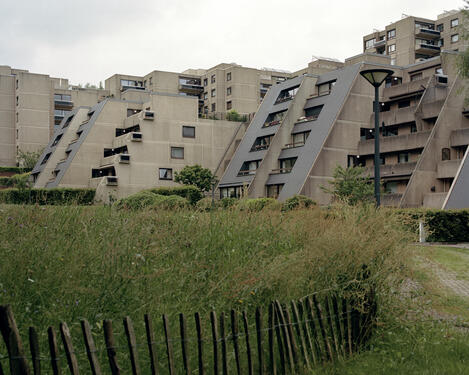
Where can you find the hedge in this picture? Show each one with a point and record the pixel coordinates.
(298, 201)
(15, 180)
(258, 204)
(15, 169)
(148, 199)
(56, 196)
(441, 225)
(191, 193)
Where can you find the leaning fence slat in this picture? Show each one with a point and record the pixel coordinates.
(90, 348)
(111, 347)
(54, 351)
(349, 328)
(69, 350)
(169, 345)
(224, 358)
(319, 314)
(321, 352)
(34, 348)
(286, 338)
(355, 328)
(260, 339)
(132, 343)
(338, 317)
(235, 334)
(248, 344)
(278, 333)
(304, 324)
(185, 353)
(213, 321)
(299, 333)
(272, 364)
(11, 336)
(291, 335)
(331, 329)
(151, 344)
(200, 341)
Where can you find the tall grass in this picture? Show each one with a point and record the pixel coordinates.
(66, 263)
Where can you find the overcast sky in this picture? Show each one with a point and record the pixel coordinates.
(89, 40)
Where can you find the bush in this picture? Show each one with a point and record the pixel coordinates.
(258, 204)
(205, 204)
(170, 202)
(17, 170)
(58, 196)
(137, 201)
(228, 202)
(191, 193)
(298, 201)
(195, 175)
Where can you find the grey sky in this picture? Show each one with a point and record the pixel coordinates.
(89, 40)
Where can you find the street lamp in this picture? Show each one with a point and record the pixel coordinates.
(376, 77)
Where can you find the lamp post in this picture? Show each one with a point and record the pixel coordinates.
(376, 77)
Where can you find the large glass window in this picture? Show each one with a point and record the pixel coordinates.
(273, 191)
(166, 173)
(286, 165)
(274, 118)
(369, 43)
(177, 152)
(287, 94)
(262, 143)
(454, 22)
(403, 157)
(391, 34)
(249, 167)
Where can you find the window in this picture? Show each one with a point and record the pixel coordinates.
(205, 81)
(391, 34)
(325, 88)
(274, 118)
(166, 174)
(393, 61)
(313, 112)
(403, 103)
(454, 22)
(44, 161)
(454, 38)
(413, 127)
(262, 143)
(415, 77)
(382, 160)
(273, 191)
(228, 91)
(214, 107)
(299, 139)
(205, 95)
(286, 165)
(393, 81)
(445, 154)
(403, 157)
(391, 48)
(17, 101)
(188, 131)
(231, 192)
(390, 187)
(17, 84)
(177, 152)
(249, 167)
(228, 105)
(369, 43)
(228, 76)
(131, 112)
(205, 109)
(389, 131)
(440, 27)
(56, 140)
(151, 81)
(212, 80)
(439, 70)
(213, 93)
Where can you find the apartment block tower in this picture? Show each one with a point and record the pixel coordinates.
(122, 146)
(414, 39)
(31, 105)
(308, 125)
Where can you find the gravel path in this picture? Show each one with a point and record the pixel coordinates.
(449, 279)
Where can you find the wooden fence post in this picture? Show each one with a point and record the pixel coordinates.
(185, 353)
(200, 342)
(213, 320)
(54, 351)
(327, 344)
(151, 344)
(11, 336)
(260, 339)
(169, 345)
(286, 338)
(35, 352)
(90, 348)
(132, 343)
(111, 347)
(272, 364)
(69, 350)
(224, 358)
(248, 344)
(299, 333)
(234, 333)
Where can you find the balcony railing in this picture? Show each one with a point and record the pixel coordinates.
(281, 170)
(379, 43)
(427, 48)
(427, 33)
(125, 87)
(124, 158)
(260, 147)
(284, 99)
(247, 172)
(317, 95)
(293, 145)
(111, 180)
(63, 103)
(271, 123)
(306, 119)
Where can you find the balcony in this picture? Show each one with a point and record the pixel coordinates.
(124, 158)
(260, 147)
(459, 137)
(149, 115)
(127, 87)
(423, 32)
(379, 43)
(196, 89)
(293, 145)
(391, 199)
(247, 172)
(393, 170)
(110, 180)
(306, 119)
(317, 95)
(271, 123)
(465, 112)
(61, 103)
(395, 116)
(414, 87)
(434, 200)
(281, 171)
(427, 49)
(447, 168)
(136, 137)
(395, 143)
(432, 109)
(284, 99)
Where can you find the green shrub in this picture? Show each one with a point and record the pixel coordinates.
(14, 169)
(258, 204)
(228, 202)
(137, 201)
(57, 196)
(191, 193)
(170, 202)
(205, 204)
(298, 201)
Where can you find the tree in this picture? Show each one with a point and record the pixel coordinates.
(233, 115)
(350, 185)
(28, 159)
(195, 175)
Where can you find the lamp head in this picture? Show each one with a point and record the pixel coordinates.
(376, 76)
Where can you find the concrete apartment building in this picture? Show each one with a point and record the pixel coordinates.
(31, 105)
(414, 39)
(308, 125)
(122, 146)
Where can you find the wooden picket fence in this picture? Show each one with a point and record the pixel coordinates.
(288, 339)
